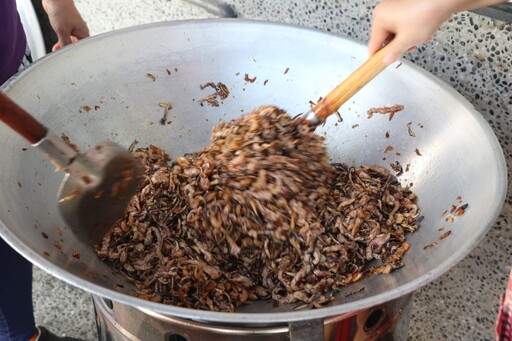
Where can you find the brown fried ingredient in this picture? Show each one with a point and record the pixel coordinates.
(66, 139)
(409, 130)
(386, 110)
(131, 148)
(428, 246)
(221, 91)
(167, 107)
(249, 79)
(259, 213)
(150, 76)
(460, 210)
(445, 235)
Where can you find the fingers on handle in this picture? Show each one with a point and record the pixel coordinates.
(398, 47)
(378, 37)
(395, 49)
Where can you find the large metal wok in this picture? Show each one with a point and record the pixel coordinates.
(110, 87)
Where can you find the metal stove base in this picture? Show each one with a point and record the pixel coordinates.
(118, 322)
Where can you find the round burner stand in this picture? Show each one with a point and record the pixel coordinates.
(119, 322)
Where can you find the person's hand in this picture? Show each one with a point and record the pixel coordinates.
(407, 23)
(66, 22)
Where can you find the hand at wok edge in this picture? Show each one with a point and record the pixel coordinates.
(408, 23)
(66, 21)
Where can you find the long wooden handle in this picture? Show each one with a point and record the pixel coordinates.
(20, 120)
(350, 86)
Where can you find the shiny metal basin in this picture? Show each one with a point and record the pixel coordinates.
(99, 89)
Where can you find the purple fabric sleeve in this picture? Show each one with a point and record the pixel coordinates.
(16, 310)
(12, 40)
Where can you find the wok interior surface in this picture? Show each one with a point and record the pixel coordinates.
(109, 88)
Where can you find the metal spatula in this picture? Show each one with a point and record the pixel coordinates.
(98, 184)
(348, 88)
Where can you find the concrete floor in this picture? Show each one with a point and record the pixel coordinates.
(62, 308)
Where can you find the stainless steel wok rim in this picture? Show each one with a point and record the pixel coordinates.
(256, 318)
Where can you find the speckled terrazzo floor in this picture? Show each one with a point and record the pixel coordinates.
(472, 53)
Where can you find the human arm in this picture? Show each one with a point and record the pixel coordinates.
(66, 22)
(411, 22)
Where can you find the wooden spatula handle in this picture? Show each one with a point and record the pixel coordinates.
(350, 86)
(20, 120)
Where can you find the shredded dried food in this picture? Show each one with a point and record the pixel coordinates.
(446, 234)
(386, 110)
(66, 139)
(249, 79)
(86, 108)
(259, 213)
(167, 107)
(221, 91)
(409, 130)
(150, 76)
(460, 210)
